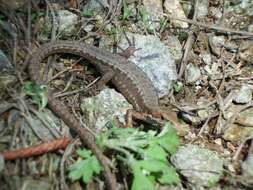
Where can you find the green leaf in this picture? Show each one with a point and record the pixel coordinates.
(87, 171)
(76, 170)
(169, 140)
(141, 181)
(84, 168)
(95, 165)
(38, 93)
(144, 15)
(155, 151)
(83, 153)
(145, 153)
(169, 176)
(87, 13)
(178, 87)
(126, 11)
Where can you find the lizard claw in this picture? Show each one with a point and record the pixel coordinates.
(131, 47)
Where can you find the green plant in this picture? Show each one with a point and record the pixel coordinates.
(85, 167)
(127, 12)
(178, 87)
(144, 15)
(144, 153)
(38, 93)
(87, 13)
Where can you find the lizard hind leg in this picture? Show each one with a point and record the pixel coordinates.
(100, 84)
(129, 51)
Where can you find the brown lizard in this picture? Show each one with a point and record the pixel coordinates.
(128, 78)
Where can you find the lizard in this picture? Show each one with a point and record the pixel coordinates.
(127, 77)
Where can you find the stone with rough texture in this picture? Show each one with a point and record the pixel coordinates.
(154, 11)
(200, 166)
(155, 59)
(174, 8)
(244, 95)
(67, 22)
(246, 118)
(192, 73)
(101, 109)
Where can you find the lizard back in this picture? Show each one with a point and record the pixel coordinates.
(128, 78)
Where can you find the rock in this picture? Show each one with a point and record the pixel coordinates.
(6, 80)
(154, 10)
(246, 118)
(192, 73)
(95, 6)
(237, 134)
(216, 43)
(207, 58)
(250, 28)
(67, 23)
(7, 75)
(175, 47)
(215, 12)
(1, 163)
(247, 164)
(200, 166)
(202, 9)
(5, 65)
(192, 119)
(173, 7)
(101, 109)
(12, 4)
(246, 51)
(244, 95)
(40, 184)
(154, 58)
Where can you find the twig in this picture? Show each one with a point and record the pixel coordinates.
(28, 31)
(36, 150)
(77, 91)
(65, 155)
(235, 157)
(188, 46)
(86, 137)
(218, 28)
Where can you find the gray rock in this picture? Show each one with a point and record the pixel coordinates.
(5, 65)
(192, 73)
(237, 133)
(216, 43)
(67, 22)
(202, 9)
(154, 12)
(247, 164)
(174, 8)
(40, 184)
(215, 12)
(250, 28)
(12, 4)
(246, 118)
(95, 5)
(244, 95)
(246, 51)
(207, 58)
(6, 80)
(200, 166)
(1, 163)
(175, 47)
(103, 108)
(154, 58)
